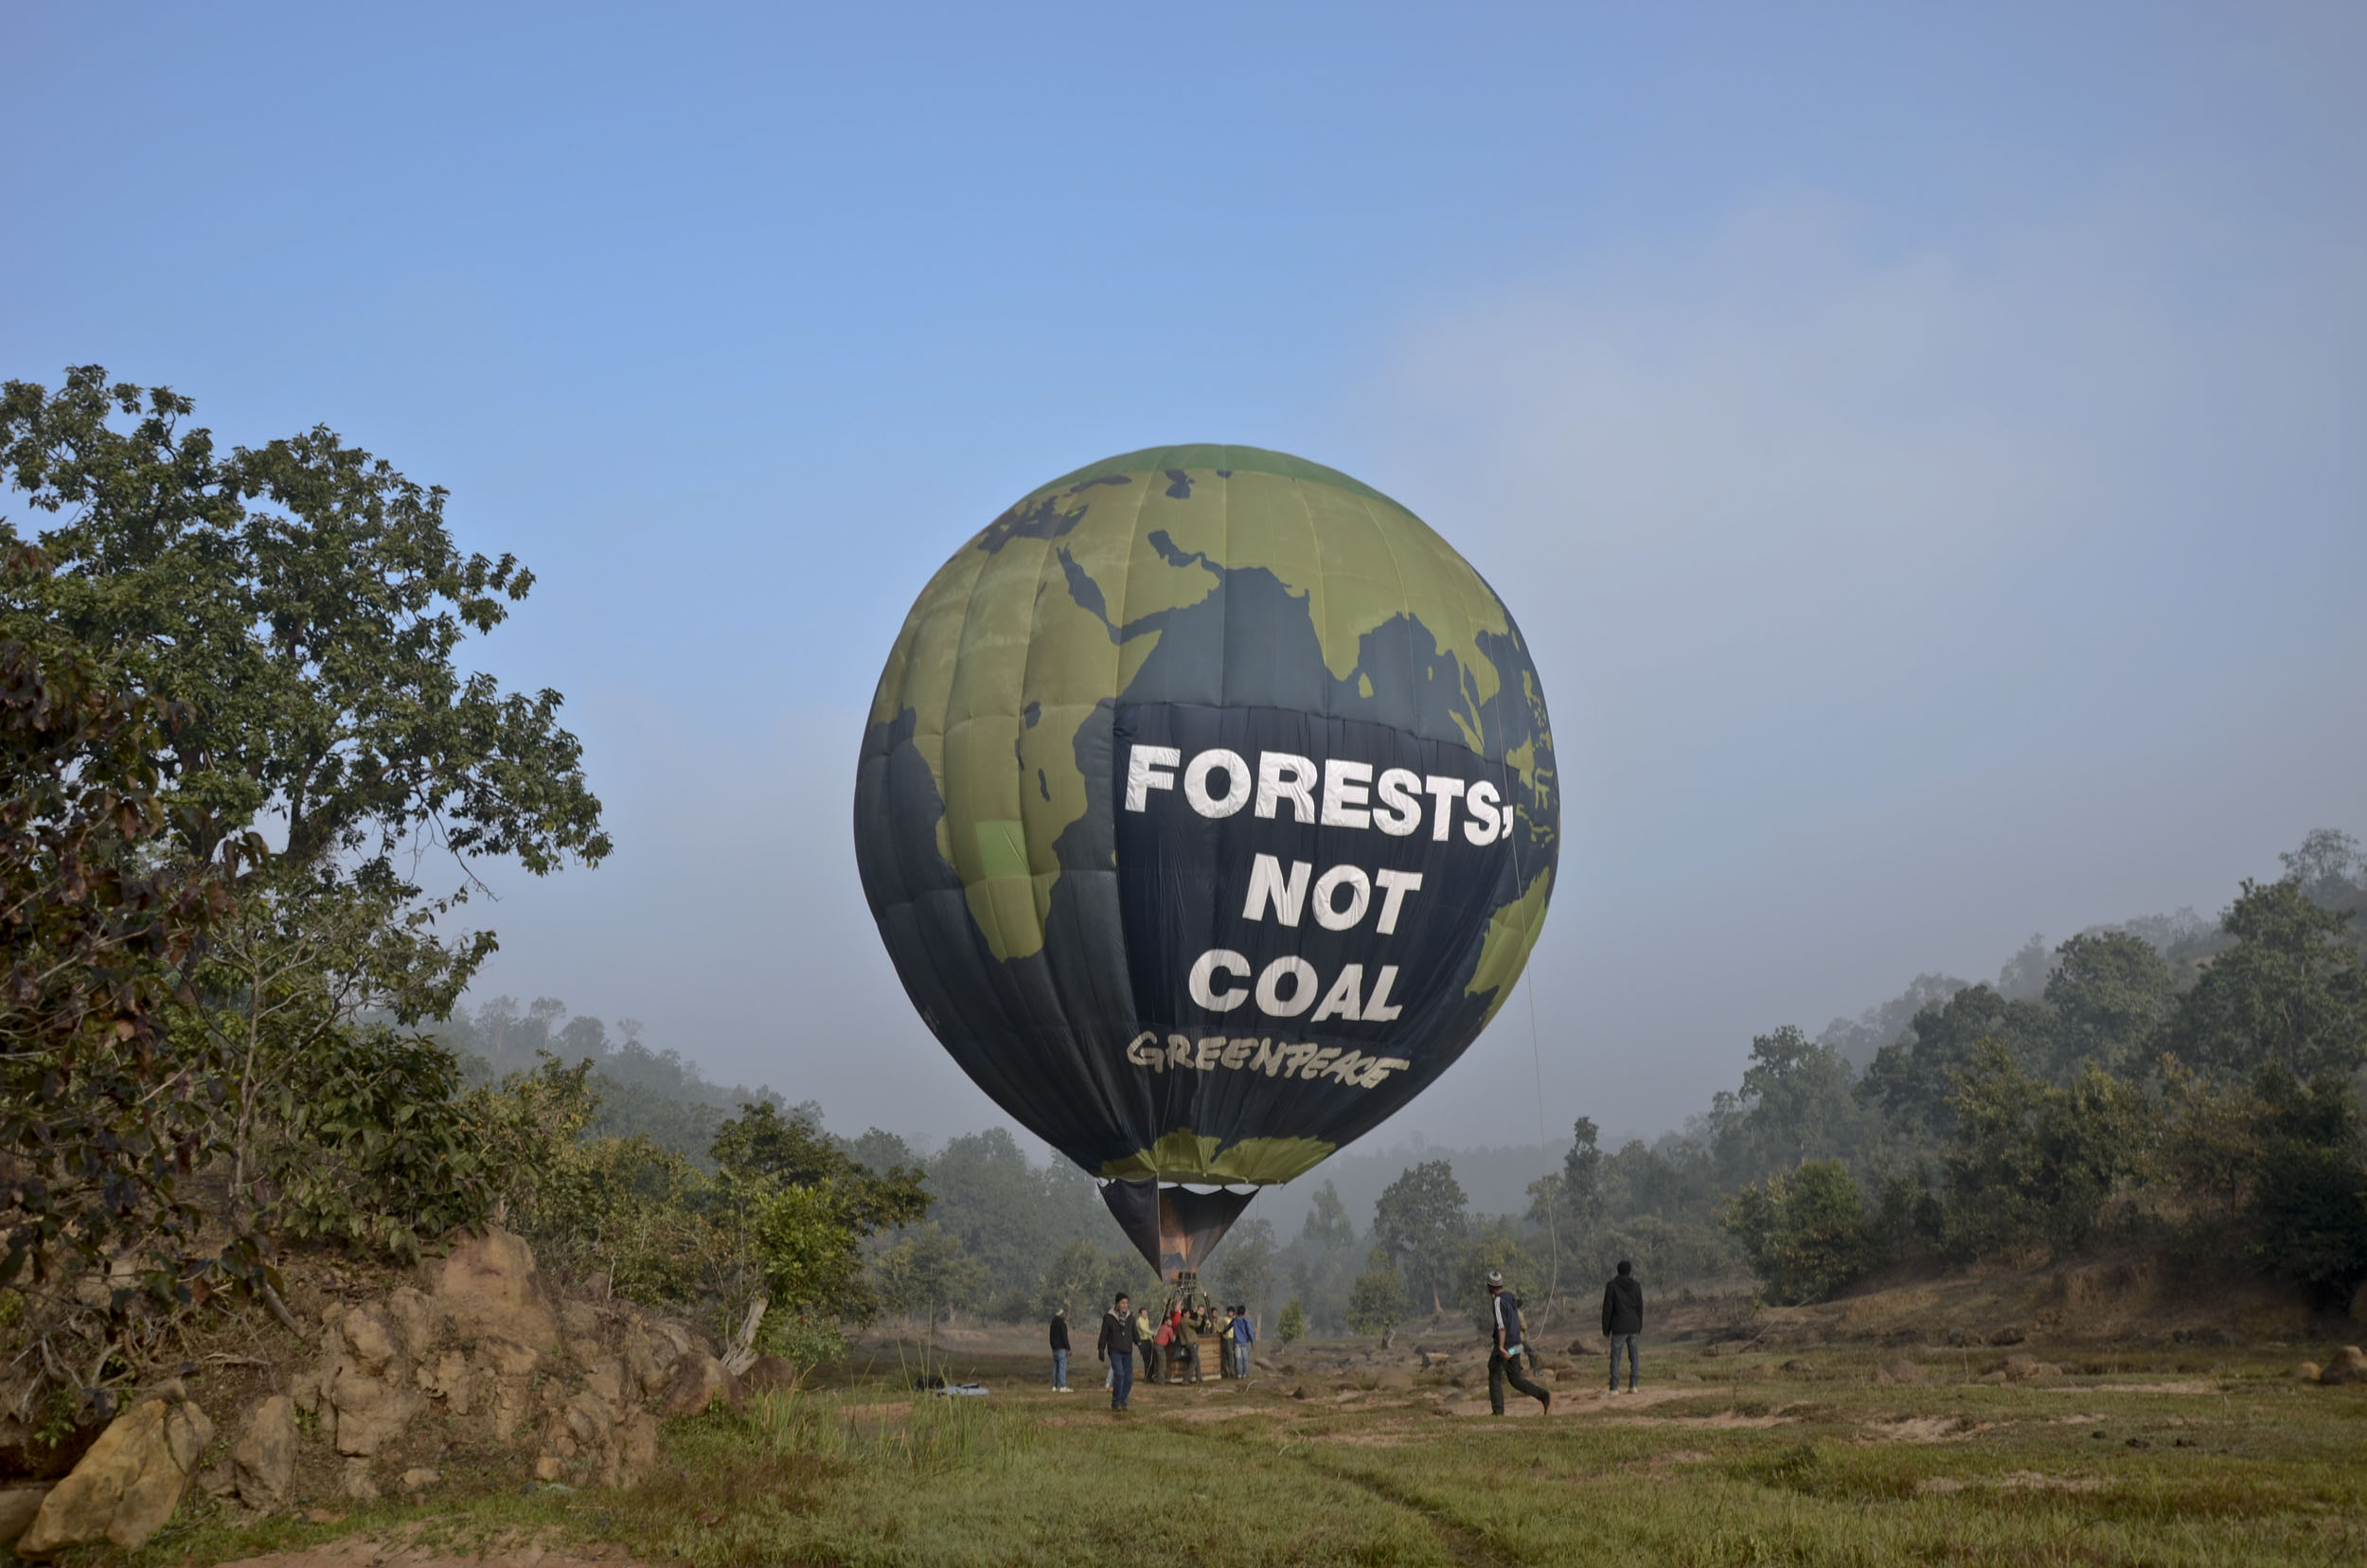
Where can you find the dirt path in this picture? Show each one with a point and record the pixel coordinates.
(368, 1552)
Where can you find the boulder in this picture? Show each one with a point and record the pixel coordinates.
(416, 1321)
(445, 1378)
(129, 1481)
(263, 1461)
(420, 1477)
(697, 1383)
(2307, 1371)
(370, 1410)
(18, 1504)
(371, 1342)
(356, 1483)
(489, 1286)
(2349, 1365)
(769, 1373)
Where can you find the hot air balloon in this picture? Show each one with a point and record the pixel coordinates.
(1207, 808)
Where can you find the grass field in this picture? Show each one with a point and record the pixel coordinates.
(2218, 1457)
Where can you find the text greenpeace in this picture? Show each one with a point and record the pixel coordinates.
(1338, 894)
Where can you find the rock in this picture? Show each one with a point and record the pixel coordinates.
(2023, 1369)
(1727, 1348)
(549, 1467)
(356, 1483)
(370, 1339)
(128, 1485)
(2011, 1334)
(769, 1373)
(1396, 1377)
(1904, 1372)
(369, 1411)
(416, 1321)
(263, 1461)
(607, 1381)
(1799, 1367)
(508, 1358)
(580, 1322)
(18, 1504)
(420, 1477)
(699, 1383)
(447, 1378)
(489, 1286)
(1996, 1377)
(2307, 1371)
(2349, 1365)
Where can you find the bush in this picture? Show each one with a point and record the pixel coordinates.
(1804, 1233)
(1292, 1325)
(1377, 1301)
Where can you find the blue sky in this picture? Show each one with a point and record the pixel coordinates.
(1923, 443)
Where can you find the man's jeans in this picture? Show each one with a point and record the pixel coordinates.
(1121, 1379)
(1616, 1340)
(1059, 1369)
(1503, 1369)
(1240, 1359)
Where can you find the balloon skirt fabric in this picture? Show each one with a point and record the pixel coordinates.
(1208, 810)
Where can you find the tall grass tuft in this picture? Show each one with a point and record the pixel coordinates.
(927, 1433)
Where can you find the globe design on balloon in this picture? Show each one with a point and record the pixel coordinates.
(1208, 810)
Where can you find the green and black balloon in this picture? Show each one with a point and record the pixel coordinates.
(1208, 810)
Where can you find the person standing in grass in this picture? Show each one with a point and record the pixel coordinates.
(1622, 1320)
(1060, 1351)
(1188, 1344)
(1244, 1336)
(1504, 1357)
(1154, 1343)
(1117, 1348)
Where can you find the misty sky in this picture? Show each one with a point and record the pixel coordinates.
(1927, 447)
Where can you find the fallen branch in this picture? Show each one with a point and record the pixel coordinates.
(279, 1310)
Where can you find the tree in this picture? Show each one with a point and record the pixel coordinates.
(1419, 1222)
(1805, 1231)
(1327, 1226)
(1293, 1323)
(2291, 992)
(314, 636)
(2030, 1162)
(1795, 1103)
(1377, 1301)
(924, 1273)
(1910, 1079)
(1244, 1275)
(2110, 991)
(102, 1111)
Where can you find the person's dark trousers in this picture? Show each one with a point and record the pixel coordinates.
(1503, 1369)
(1153, 1360)
(1121, 1380)
(1616, 1340)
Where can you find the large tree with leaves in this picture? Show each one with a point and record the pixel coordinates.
(305, 604)
(303, 609)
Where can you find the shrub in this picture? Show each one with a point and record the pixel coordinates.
(1805, 1232)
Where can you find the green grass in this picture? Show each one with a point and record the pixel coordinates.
(2225, 1465)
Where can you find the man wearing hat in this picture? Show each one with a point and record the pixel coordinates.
(1503, 1358)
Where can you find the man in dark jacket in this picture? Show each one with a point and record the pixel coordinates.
(1117, 1348)
(1504, 1354)
(1622, 1320)
(1060, 1351)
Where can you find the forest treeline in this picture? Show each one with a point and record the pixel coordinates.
(254, 770)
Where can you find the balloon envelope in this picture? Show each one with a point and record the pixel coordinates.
(1207, 807)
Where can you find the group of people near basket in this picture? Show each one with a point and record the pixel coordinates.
(1169, 1343)
(1170, 1346)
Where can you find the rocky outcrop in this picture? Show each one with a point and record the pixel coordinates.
(129, 1481)
(2349, 1365)
(478, 1349)
(488, 1286)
